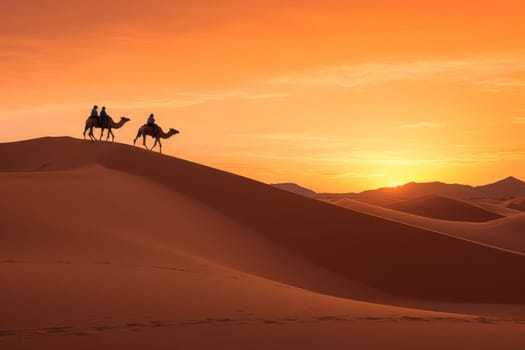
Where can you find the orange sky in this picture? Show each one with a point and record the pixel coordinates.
(334, 95)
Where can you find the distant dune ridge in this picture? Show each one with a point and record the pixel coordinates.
(509, 187)
(516, 204)
(438, 200)
(101, 239)
(445, 208)
(506, 233)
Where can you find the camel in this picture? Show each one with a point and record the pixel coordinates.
(148, 130)
(108, 124)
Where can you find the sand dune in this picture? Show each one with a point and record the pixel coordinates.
(495, 206)
(505, 233)
(444, 208)
(357, 246)
(294, 188)
(516, 204)
(108, 243)
(387, 196)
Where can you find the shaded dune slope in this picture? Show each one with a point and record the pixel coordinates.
(516, 204)
(445, 208)
(399, 259)
(95, 214)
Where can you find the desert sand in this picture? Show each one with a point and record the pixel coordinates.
(496, 206)
(505, 233)
(445, 208)
(108, 246)
(516, 204)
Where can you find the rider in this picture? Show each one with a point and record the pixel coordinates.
(103, 116)
(94, 112)
(151, 122)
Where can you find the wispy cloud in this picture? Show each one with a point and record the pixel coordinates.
(177, 100)
(187, 99)
(424, 125)
(289, 137)
(310, 143)
(47, 108)
(353, 175)
(329, 152)
(495, 71)
(381, 158)
(519, 120)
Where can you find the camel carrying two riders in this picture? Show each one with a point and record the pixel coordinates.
(102, 121)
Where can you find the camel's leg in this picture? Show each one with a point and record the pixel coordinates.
(91, 136)
(155, 144)
(101, 133)
(85, 129)
(160, 146)
(144, 141)
(109, 134)
(139, 134)
(112, 136)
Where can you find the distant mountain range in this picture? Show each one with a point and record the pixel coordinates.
(505, 189)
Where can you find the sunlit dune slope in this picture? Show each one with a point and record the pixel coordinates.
(505, 233)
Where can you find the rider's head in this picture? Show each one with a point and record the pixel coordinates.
(151, 115)
(103, 108)
(95, 107)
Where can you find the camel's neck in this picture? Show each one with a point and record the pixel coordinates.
(119, 124)
(165, 135)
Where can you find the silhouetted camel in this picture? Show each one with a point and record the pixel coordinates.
(109, 124)
(148, 130)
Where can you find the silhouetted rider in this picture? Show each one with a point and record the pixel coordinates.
(103, 116)
(151, 122)
(94, 112)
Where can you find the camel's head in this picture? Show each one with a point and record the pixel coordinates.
(125, 119)
(174, 131)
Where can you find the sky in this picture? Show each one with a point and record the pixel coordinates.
(336, 96)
